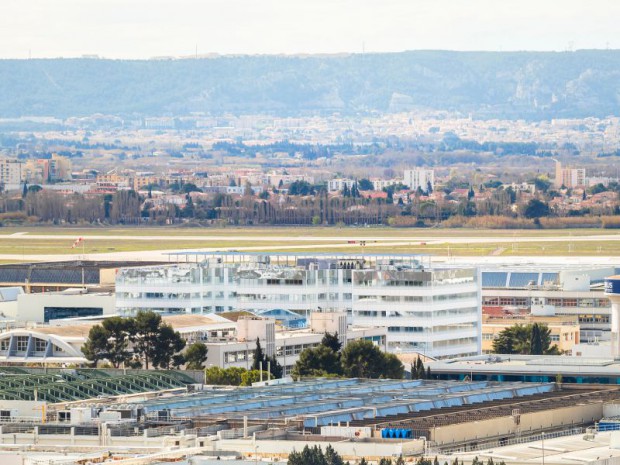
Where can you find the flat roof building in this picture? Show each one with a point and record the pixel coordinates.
(567, 290)
(435, 311)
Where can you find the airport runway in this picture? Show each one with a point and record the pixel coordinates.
(317, 239)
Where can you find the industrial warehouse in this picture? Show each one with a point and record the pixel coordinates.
(137, 412)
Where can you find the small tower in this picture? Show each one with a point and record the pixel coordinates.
(612, 290)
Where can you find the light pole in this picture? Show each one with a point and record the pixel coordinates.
(543, 448)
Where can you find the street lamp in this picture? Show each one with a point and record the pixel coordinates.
(543, 448)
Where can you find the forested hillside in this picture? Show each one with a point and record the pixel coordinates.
(531, 85)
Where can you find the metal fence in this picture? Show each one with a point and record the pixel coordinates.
(473, 447)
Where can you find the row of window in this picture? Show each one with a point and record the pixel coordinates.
(248, 355)
(452, 312)
(21, 344)
(599, 319)
(556, 301)
(176, 295)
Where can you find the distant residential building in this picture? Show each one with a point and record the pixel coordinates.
(113, 179)
(140, 182)
(275, 179)
(569, 177)
(604, 180)
(159, 123)
(380, 184)
(60, 168)
(419, 178)
(42, 170)
(10, 172)
(337, 185)
(523, 187)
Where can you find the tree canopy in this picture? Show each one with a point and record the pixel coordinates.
(536, 209)
(196, 356)
(530, 339)
(361, 359)
(144, 339)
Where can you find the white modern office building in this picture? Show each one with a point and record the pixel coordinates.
(434, 311)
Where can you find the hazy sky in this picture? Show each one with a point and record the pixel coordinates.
(148, 28)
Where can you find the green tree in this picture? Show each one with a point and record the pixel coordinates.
(96, 347)
(169, 344)
(362, 359)
(536, 342)
(274, 367)
(392, 367)
(196, 356)
(301, 188)
(253, 376)
(259, 357)
(110, 341)
(317, 361)
(332, 457)
(332, 341)
(146, 338)
(417, 369)
(536, 209)
(365, 185)
(314, 456)
(530, 339)
(224, 377)
(120, 331)
(542, 184)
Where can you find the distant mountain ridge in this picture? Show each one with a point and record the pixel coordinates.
(531, 85)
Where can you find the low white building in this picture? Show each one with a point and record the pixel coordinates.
(48, 306)
(337, 185)
(380, 184)
(237, 350)
(229, 343)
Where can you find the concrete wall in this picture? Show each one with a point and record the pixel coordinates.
(348, 450)
(32, 437)
(9, 309)
(506, 426)
(24, 408)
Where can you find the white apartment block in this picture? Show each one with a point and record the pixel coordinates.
(10, 172)
(569, 177)
(337, 185)
(419, 177)
(380, 184)
(435, 311)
